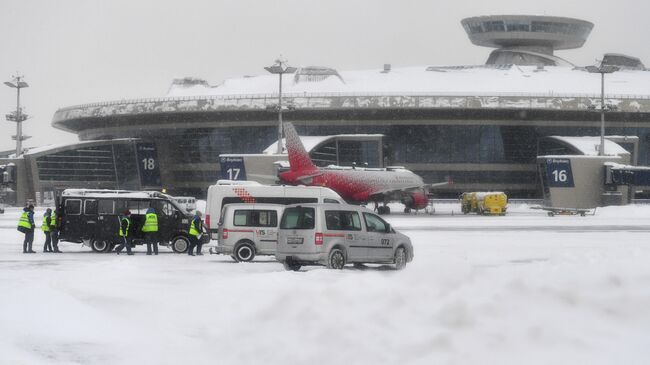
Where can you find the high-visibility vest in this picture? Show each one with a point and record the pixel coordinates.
(53, 221)
(193, 229)
(128, 224)
(24, 221)
(44, 226)
(150, 223)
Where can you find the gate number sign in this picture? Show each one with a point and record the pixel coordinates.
(232, 168)
(558, 173)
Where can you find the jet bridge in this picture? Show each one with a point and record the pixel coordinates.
(574, 176)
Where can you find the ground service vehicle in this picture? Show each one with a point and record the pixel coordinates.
(247, 230)
(227, 192)
(91, 217)
(337, 234)
(484, 203)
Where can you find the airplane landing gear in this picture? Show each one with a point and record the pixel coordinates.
(384, 209)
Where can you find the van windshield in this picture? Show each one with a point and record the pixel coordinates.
(298, 218)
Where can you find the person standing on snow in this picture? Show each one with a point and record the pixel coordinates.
(54, 229)
(196, 227)
(125, 234)
(45, 227)
(26, 226)
(150, 229)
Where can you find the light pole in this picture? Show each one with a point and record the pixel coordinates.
(18, 116)
(602, 70)
(280, 67)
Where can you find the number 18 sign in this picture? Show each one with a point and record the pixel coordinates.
(558, 173)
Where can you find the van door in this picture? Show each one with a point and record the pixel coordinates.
(166, 224)
(106, 217)
(266, 229)
(346, 226)
(71, 223)
(380, 243)
(92, 229)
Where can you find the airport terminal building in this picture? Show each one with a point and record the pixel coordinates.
(479, 124)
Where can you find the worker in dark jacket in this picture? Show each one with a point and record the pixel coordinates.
(125, 233)
(196, 226)
(54, 229)
(150, 229)
(45, 227)
(26, 226)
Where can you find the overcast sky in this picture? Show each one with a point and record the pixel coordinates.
(78, 51)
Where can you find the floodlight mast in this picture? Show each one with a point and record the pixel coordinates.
(602, 70)
(18, 116)
(280, 67)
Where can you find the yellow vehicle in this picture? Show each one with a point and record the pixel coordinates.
(484, 203)
(468, 203)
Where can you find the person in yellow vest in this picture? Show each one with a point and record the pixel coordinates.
(54, 229)
(45, 227)
(26, 226)
(150, 229)
(125, 233)
(196, 227)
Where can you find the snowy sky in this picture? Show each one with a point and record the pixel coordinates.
(78, 51)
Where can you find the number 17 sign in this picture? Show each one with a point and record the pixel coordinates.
(558, 173)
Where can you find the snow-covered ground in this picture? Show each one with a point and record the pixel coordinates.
(519, 289)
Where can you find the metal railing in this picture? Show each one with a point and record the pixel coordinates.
(273, 97)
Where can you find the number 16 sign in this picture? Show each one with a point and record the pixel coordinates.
(558, 173)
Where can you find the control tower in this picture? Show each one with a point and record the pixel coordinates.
(526, 39)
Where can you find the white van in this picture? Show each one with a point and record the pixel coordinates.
(337, 234)
(247, 230)
(251, 192)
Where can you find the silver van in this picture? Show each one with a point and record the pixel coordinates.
(337, 234)
(247, 230)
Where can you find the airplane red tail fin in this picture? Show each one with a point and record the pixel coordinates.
(298, 157)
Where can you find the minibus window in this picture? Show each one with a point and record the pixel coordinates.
(298, 218)
(331, 201)
(73, 207)
(90, 207)
(106, 207)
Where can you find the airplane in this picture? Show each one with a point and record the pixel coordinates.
(356, 185)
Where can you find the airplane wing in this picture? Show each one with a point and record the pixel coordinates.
(442, 183)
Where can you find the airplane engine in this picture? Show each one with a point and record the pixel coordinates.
(417, 200)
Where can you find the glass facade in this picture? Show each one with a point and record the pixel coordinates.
(107, 166)
(572, 29)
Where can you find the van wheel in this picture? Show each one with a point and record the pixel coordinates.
(244, 252)
(400, 258)
(99, 245)
(291, 266)
(336, 260)
(180, 244)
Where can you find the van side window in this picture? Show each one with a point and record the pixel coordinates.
(137, 207)
(340, 220)
(90, 207)
(73, 207)
(298, 218)
(106, 207)
(256, 218)
(374, 223)
(241, 217)
(331, 201)
(168, 209)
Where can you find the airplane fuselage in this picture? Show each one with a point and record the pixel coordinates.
(359, 184)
